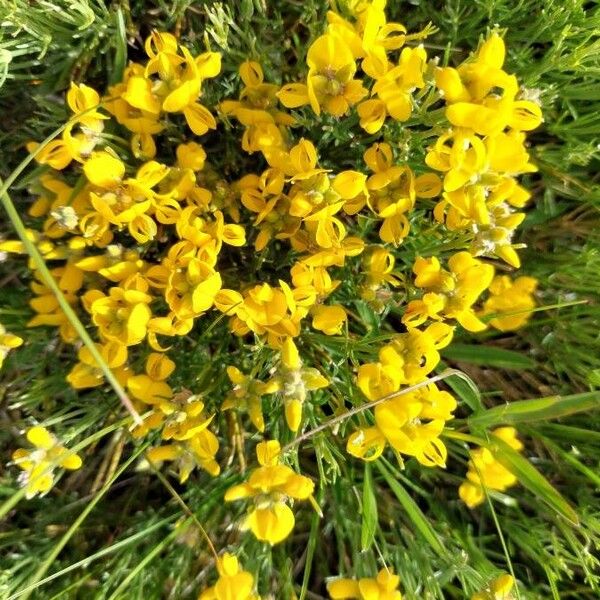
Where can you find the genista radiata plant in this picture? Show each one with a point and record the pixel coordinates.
(153, 245)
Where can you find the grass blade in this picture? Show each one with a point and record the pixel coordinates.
(488, 356)
(541, 409)
(415, 514)
(41, 571)
(369, 511)
(531, 478)
(464, 387)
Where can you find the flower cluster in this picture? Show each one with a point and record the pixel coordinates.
(410, 421)
(158, 241)
(332, 85)
(483, 151)
(269, 486)
(510, 302)
(485, 471)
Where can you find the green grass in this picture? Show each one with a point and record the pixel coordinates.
(132, 538)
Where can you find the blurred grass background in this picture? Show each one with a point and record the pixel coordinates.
(137, 542)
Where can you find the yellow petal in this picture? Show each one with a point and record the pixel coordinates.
(329, 52)
(449, 82)
(40, 437)
(251, 73)
(293, 95)
(182, 96)
(71, 462)
(199, 118)
(493, 51)
(162, 453)
(271, 524)
(293, 414)
(208, 64)
(343, 589)
(147, 390)
(428, 185)
(367, 444)
(139, 95)
(372, 115)
(298, 487)
(348, 184)
(290, 355)
(501, 586)
(268, 452)
(104, 170)
(526, 115)
(329, 319)
(238, 492)
(55, 154)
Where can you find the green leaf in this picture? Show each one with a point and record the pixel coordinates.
(540, 409)
(488, 356)
(464, 387)
(116, 74)
(531, 478)
(415, 514)
(369, 511)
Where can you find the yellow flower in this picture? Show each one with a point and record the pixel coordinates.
(267, 310)
(38, 465)
(311, 281)
(55, 154)
(264, 196)
(411, 356)
(185, 417)
(294, 382)
(392, 191)
(83, 100)
(8, 341)
(329, 84)
(372, 114)
(411, 423)
(482, 97)
(257, 110)
(116, 264)
(486, 471)
(233, 582)
(181, 418)
(86, 373)
(499, 589)
(461, 155)
(395, 86)
(382, 587)
(191, 156)
(125, 201)
(328, 319)
(379, 271)
(247, 394)
(270, 485)
(450, 294)
(198, 451)
(507, 296)
(45, 304)
(123, 315)
(191, 289)
(180, 78)
(151, 387)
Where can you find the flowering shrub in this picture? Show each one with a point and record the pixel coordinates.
(153, 246)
